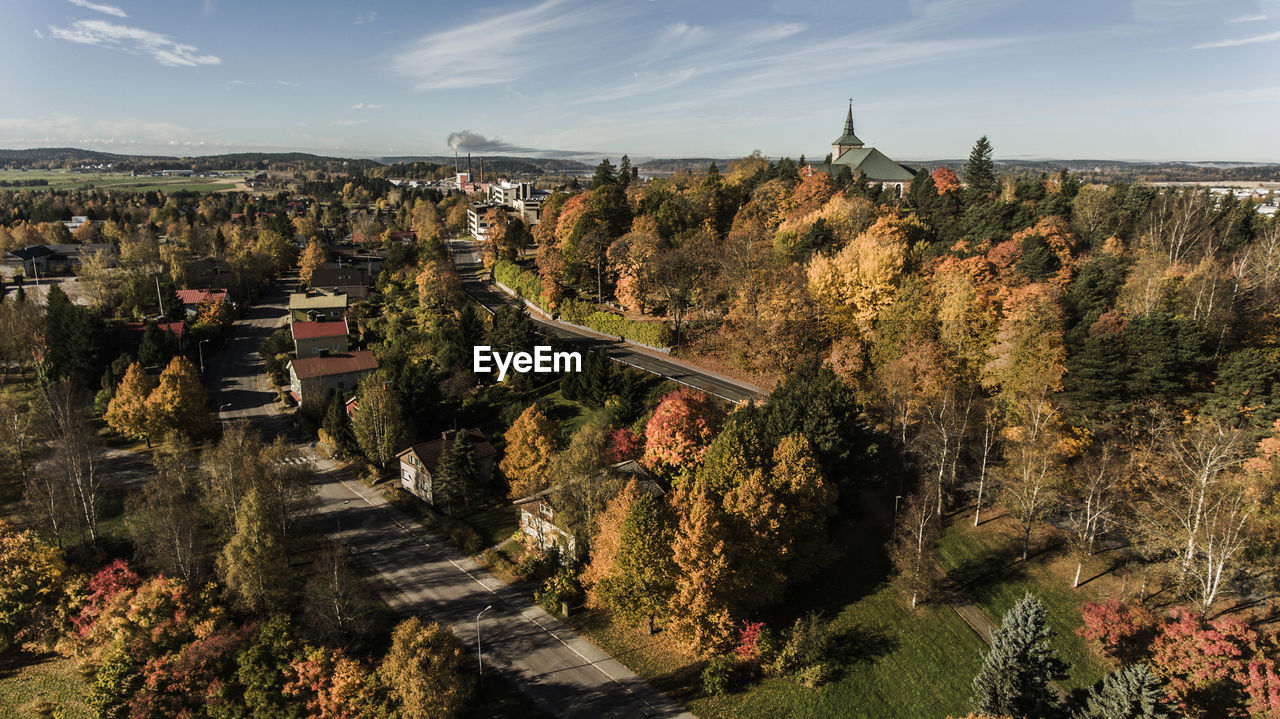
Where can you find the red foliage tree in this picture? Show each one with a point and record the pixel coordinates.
(680, 430)
(191, 681)
(623, 444)
(1204, 662)
(748, 648)
(1123, 629)
(108, 582)
(1262, 686)
(945, 180)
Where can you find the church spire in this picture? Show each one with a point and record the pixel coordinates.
(848, 140)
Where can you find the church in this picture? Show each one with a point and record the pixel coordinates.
(848, 151)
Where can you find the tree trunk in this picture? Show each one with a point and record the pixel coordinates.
(1075, 583)
(649, 625)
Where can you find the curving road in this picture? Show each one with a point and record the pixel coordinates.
(561, 672)
(489, 296)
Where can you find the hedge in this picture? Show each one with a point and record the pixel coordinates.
(654, 334)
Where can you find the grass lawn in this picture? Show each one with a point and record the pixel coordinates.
(494, 523)
(26, 683)
(986, 561)
(66, 180)
(571, 415)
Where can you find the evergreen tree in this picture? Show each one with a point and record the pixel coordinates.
(1016, 674)
(1132, 692)
(644, 576)
(456, 477)
(337, 424)
(624, 171)
(604, 174)
(157, 346)
(471, 329)
(73, 335)
(980, 173)
(264, 666)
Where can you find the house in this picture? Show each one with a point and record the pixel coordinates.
(319, 338)
(420, 461)
(346, 280)
(192, 299)
(209, 272)
(37, 259)
(304, 307)
(873, 165)
(311, 379)
(539, 517)
(404, 237)
(77, 221)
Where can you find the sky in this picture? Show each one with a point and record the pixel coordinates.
(1091, 79)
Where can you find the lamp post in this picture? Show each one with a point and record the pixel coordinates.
(479, 654)
(223, 407)
(200, 346)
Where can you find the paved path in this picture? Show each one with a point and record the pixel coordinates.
(563, 673)
(488, 295)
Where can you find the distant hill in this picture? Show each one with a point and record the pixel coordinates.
(1122, 171)
(502, 164)
(697, 164)
(70, 158)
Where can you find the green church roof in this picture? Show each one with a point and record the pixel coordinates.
(873, 164)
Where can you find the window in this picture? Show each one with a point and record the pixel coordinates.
(545, 510)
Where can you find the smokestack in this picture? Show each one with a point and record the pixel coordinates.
(468, 163)
(482, 169)
(455, 160)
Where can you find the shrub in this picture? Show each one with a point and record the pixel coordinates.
(804, 656)
(1124, 630)
(722, 675)
(561, 588)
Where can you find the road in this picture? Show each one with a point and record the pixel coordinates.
(561, 672)
(487, 294)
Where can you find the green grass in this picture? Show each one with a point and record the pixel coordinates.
(494, 523)
(26, 682)
(987, 563)
(571, 415)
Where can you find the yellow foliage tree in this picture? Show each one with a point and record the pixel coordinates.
(311, 260)
(179, 403)
(531, 443)
(127, 411)
(854, 283)
(424, 671)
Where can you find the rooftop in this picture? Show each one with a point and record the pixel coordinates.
(317, 330)
(302, 301)
(195, 297)
(354, 361)
(429, 453)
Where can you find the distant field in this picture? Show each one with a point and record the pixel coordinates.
(67, 180)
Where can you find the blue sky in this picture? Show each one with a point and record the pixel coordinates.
(1139, 79)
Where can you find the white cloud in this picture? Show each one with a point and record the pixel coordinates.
(366, 106)
(1236, 42)
(499, 49)
(288, 83)
(366, 17)
(162, 48)
(1248, 18)
(347, 123)
(107, 9)
(640, 85)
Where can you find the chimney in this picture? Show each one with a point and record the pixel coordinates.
(455, 160)
(468, 164)
(482, 169)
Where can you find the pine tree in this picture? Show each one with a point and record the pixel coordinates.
(1016, 674)
(337, 424)
(980, 173)
(127, 411)
(253, 563)
(456, 475)
(1132, 692)
(624, 171)
(471, 329)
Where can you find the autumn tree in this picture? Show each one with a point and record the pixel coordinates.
(633, 574)
(378, 422)
(338, 606)
(423, 670)
(77, 462)
(532, 440)
(853, 284)
(681, 428)
(179, 402)
(127, 411)
(252, 564)
(700, 607)
(32, 574)
(919, 525)
(311, 259)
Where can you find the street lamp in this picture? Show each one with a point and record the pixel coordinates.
(223, 407)
(200, 346)
(479, 654)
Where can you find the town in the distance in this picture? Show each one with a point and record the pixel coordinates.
(298, 430)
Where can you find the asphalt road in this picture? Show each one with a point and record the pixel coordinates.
(563, 673)
(486, 293)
